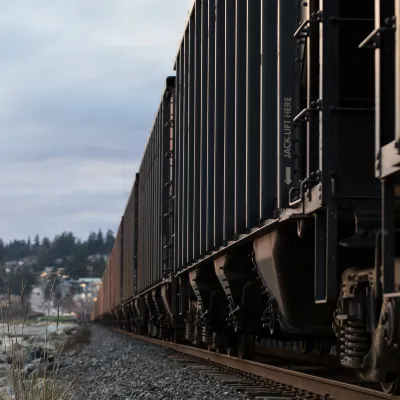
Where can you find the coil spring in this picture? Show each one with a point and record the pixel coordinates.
(268, 318)
(206, 334)
(354, 343)
(189, 331)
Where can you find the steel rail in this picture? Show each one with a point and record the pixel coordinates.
(330, 389)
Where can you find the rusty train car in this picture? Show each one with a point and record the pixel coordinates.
(265, 205)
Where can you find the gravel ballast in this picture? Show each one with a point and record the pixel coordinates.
(114, 366)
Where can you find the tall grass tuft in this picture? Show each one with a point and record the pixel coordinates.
(41, 379)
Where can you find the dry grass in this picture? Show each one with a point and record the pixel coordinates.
(45, 381)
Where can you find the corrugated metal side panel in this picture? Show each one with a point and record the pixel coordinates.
(99, 303)
(106, 289)
(105, 294)
(196, 126)
(136, 235)
(209, 197)
(153, 198)
(117, 267)
(115, 277)
(168, 182)
(177, 167)
(116, 272)
(110, 291)
(150, 266)
(112, 280)
(101, 295)
(141, 237)
(128, 245)
(226, 74)
(130, 242)
(203, 34)
(126, 251)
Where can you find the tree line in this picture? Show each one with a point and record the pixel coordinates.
(66, 251)
(61, 246)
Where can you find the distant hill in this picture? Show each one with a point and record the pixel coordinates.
(22, 260)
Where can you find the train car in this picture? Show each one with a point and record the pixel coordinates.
(103, 311)
(142, 254)
(265, 203)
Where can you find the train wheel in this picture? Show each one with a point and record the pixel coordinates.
(246, 346)
(392, 387)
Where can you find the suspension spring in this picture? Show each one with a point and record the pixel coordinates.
(206, 334)
(355, 343)
(189, 330)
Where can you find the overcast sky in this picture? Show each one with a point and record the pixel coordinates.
(80, 81)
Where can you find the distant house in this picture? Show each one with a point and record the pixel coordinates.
(90, 281)
(47, 273)
(95, 257)
(26, 263)
(89, 287)
(30, 261)
(11, 264)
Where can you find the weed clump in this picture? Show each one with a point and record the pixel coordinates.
(30, 365)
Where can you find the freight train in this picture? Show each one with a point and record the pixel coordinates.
(266, 201)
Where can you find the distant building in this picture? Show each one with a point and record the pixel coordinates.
(65, 287)
(95, 257)
(89, 287)
(30, 261)
(23, 264)
(11, 264)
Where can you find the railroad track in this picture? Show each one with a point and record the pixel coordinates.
(265, 381)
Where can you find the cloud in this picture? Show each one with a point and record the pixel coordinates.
(80, 83)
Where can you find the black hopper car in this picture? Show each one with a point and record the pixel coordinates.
(266, 204)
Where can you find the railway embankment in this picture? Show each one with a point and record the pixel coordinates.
(33, 358)
(113, 366)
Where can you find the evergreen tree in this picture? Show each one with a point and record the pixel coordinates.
(1, 251)
(100, 242)
(77, 267)
(98, 268)
(36, 242)
(109, 242)
(92, 243)
(65, 251)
